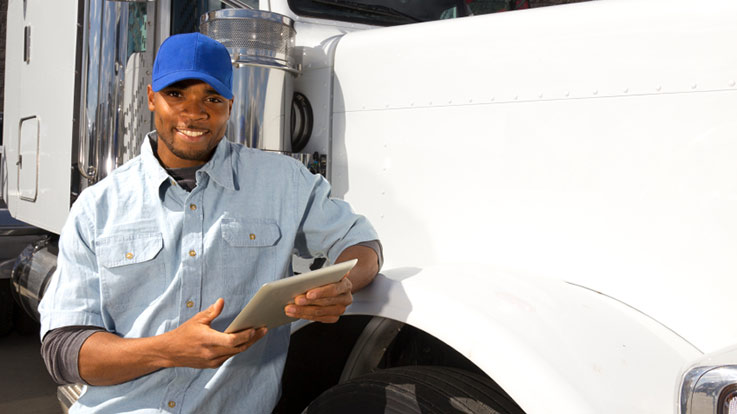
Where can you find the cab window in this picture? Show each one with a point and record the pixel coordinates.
(396, 12)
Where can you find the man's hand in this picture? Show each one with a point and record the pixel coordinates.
(107, 359)
(195, 344)
(327, 303)
(324, 303)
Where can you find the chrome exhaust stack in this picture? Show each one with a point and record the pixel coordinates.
(117, 53)
(261, 48)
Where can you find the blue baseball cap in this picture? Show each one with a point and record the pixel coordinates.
(193, 56)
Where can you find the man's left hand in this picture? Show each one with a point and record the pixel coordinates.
(322, 304)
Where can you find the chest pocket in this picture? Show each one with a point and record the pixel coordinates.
(248, 256)
(132, 275)
(250, 233)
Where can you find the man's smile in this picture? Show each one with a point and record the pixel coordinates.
(190, 133)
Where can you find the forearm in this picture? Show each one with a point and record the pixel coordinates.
(107, 359)
(366, 268)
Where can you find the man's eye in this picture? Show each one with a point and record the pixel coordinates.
(173, 94)
(215, 100)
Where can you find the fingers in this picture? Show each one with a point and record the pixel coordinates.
(344, 299)
(322, 304)
(338, 289)
(246, 337)
(231, 345)
(326, 314)
(212, 312)
(255, 336)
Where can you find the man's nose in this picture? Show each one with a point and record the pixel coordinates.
(193, 109)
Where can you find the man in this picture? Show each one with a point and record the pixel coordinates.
(157, 259)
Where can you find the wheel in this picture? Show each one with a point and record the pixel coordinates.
(416, 389)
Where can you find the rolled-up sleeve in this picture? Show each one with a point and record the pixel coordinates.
(73, 295)
(328, 225)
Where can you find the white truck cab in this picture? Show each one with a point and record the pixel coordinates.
(554, 185)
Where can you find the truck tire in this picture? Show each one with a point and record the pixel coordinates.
(416, 389)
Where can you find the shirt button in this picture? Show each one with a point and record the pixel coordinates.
(193, 207)
(192, 253)
(129, 255)
(190, 303)
(172, 404)
(252, 236)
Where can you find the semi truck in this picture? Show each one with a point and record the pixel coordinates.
(553, 182)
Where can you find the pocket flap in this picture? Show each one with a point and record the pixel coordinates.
(129, 248)
(250, 233)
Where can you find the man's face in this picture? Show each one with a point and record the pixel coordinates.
(191, 118)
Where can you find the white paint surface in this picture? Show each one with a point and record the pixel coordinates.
(44, 88)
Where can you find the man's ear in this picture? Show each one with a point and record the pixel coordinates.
(230, 106)
(150, 93)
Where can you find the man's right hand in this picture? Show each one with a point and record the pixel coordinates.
(195, 344)
(107, 359)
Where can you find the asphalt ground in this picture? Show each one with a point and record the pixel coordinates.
(25, 386)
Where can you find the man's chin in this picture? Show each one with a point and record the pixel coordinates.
(192, 156)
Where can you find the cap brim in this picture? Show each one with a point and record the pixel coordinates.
(175, 77)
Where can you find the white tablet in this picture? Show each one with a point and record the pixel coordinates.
(266, 308)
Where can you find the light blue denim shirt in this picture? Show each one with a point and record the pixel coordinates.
(139, 256)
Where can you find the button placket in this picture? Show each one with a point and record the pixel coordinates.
(193, 243)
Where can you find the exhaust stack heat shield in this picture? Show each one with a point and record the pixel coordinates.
(261, 48)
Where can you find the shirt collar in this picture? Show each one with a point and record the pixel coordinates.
(155, 173)
(219, 168)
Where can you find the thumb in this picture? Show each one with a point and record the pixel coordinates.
(213, 311)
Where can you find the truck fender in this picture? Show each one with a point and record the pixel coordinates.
(551, 345)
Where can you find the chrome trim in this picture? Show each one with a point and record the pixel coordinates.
(688, 384)
(68, 395)
(246, 14)
(262, 64)
(703, 388)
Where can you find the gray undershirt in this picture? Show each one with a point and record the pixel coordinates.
(60, 351)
